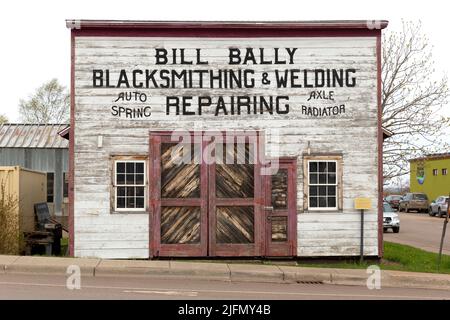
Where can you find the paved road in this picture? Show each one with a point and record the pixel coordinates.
(15, 286)
(421, 231)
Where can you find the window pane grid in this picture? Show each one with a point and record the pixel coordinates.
(322, 184)
(130, 185)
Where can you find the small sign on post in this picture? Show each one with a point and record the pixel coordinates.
(362, 204)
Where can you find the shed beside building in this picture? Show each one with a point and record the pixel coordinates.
(39, 147)
(25, 188)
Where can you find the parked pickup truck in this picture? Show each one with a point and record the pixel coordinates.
(414, 201)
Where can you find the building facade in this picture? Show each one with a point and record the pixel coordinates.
(39, 147)
(224, 139)
(430, 175)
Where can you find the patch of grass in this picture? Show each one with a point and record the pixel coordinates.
(64, 246)
(408, 258)
(64, 241)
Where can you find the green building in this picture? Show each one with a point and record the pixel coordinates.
(430, 175)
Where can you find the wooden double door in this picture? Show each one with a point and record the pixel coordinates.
(211, 195)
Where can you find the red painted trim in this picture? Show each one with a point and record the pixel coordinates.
(380, 150)
(235, 202)
(136, 24)
(288, 248)
(72, 147)
(293, 213)
(177, 202)
(224, 32)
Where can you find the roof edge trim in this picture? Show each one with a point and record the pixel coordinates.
(141, 24)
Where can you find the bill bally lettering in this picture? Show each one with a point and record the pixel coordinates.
(226, 82)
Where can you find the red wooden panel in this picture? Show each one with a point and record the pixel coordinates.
(159, 249)
(235, 202)
(235, 249)
(181, 202)
(208, 202)
(289, 247)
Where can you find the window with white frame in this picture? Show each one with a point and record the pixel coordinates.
(129, 185)
(322, 185)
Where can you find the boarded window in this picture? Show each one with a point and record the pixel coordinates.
(322, 184)
(50, 186)
(129, 185)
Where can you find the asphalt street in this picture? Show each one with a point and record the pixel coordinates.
(421, 231)
(26, 286)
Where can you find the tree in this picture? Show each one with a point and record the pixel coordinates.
(9, 227)
(49, 104)
(412, 95)
(3, 119)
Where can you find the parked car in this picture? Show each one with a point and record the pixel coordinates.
(439, 206)
(391, 219)
(394, 200)
(414, 201)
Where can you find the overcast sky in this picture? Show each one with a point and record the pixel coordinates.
(35, 42)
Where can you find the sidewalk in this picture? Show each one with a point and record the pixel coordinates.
(218, 271)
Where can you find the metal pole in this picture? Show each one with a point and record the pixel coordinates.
(361, 253)
(444, 229)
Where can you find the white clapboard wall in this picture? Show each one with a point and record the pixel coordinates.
(101, 233)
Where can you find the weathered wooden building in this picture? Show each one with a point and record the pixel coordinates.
(39, 147)
(225, 139)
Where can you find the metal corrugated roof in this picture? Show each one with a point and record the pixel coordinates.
(21, 135)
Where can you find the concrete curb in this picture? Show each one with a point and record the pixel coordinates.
(48, 265)
(218, 272)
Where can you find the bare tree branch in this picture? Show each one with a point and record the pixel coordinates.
(412, 95)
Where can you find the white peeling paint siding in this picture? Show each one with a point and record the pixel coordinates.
(101, 233)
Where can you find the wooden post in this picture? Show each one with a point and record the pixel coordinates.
(444, 228)
(362, 204)
(361, 253)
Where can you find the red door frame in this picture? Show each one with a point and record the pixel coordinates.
(288, 248)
